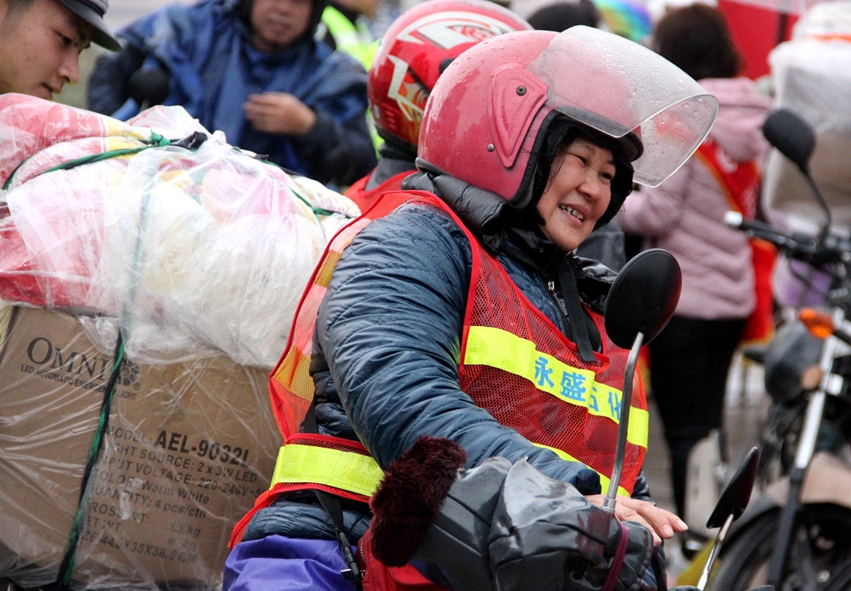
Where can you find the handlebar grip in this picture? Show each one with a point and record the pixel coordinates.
(757, 229)
(815, 251)
(734, 219)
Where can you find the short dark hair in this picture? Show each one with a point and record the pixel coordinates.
(697, 40)
(561, 16)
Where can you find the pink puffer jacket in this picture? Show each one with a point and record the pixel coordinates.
(684, 215)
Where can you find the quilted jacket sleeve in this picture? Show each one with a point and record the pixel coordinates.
(390, 329)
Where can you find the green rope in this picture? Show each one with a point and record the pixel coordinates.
(317, 211)
(155, 141)
(67, 565)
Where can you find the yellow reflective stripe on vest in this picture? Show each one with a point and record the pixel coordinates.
(604, 480)
(345, 470)
(503, 350)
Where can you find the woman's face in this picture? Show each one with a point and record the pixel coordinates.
(577, 194)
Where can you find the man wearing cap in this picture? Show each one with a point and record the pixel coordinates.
(41, 41)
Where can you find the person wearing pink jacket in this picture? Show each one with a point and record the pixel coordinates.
(689, 361)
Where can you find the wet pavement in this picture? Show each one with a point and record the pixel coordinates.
(745, 406)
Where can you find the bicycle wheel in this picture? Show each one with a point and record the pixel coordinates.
(818, 553)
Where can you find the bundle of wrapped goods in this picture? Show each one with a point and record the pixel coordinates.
(196, 255)
(196, 251)
(812, 77)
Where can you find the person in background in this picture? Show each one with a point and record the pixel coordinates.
(456, 308)
(690, 360)
(345, 26)
(563, 15)
(252, 69)
(41, 41)
(415, 50)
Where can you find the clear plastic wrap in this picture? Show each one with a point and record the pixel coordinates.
(192, 251)
(30, 125)
(199, 256)
(188, 448)
(812, 77)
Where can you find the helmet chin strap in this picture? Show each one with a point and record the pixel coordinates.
(575, 314)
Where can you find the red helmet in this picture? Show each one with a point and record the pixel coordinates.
(417, 48)
(489, 113)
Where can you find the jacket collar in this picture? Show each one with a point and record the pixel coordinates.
(486, 214)
(501, 228)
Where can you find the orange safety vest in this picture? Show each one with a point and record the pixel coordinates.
(364, 198)
(514, 363)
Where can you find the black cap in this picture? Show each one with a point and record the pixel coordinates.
(92, 12)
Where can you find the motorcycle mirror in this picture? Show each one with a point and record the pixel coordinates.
(643, 297)
(791, 135)
(641, 301)
(737, 494)
(796, 140)
(730, 507)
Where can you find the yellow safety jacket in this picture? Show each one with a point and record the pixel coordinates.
(514, 363)
(353, 38)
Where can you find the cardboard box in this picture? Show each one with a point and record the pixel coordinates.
(189, 446)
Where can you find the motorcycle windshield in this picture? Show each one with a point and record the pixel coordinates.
(664, 106)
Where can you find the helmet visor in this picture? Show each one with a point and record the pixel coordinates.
(617, 86)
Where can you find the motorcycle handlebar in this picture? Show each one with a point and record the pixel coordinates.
(816, 252)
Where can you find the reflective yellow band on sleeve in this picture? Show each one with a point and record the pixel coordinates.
(345, 470)
(503, 350)
(604, 481)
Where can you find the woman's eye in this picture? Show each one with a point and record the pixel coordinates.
(65, 40)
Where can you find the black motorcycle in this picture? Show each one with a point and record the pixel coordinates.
(797, 535)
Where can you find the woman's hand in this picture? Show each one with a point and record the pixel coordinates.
(279, 112)
(661, 523)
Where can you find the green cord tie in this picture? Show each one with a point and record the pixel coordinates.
(155, 141)
(66, 568)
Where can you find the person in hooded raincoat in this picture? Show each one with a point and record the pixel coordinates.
(252, 69)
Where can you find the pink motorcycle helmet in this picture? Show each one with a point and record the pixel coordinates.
(489, 113)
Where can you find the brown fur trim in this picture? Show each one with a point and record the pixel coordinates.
(406, 503)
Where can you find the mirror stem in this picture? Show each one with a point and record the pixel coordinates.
(828, 218)
(623, 427)
(713, 554)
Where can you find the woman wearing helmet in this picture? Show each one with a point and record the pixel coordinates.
(456, 309)
(414, 51)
